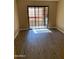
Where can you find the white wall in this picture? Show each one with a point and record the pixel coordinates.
(60, 15)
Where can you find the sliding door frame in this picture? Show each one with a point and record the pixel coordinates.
(35, 18)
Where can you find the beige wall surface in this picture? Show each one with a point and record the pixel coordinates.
(16, 23)
(60, 15)
(23, 16)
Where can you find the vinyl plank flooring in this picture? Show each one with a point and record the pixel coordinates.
(32, 45)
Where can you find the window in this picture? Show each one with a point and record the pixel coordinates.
(38, 17)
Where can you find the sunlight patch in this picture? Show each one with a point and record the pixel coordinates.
(41, 31)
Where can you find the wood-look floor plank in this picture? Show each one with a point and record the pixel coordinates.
(39, 45)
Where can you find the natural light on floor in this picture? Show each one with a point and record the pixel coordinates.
(41, 30)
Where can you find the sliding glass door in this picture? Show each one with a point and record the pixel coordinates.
(38, 17)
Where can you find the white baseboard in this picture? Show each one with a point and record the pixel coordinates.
(24, 29)
(48, 27)
(57, 29)
(51, 27)
(60, 30)
(28, 28)
(16, 34)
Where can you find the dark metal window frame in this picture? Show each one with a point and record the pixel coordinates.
(38, 12)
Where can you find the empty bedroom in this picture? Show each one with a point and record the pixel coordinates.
(38, 29)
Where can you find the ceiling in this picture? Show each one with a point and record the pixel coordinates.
(42, 0)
